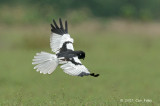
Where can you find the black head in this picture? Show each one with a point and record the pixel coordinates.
(81, 54)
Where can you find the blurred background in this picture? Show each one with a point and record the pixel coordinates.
(121, 40)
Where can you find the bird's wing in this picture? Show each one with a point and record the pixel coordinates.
(74, 67)
(60, 39)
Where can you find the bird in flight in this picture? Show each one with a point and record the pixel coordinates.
(62, 45)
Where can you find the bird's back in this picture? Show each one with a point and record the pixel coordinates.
(67, 54)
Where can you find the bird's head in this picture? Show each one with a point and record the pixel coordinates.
(81, 54)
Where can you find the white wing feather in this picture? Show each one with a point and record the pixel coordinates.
(75, 70)
(56, 42)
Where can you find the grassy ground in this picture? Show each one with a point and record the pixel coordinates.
(125, 54)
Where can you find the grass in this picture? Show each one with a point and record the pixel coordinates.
(126, 57)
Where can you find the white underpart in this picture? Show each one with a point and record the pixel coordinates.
(70, 46)
(75, 70)
(62, 60)
(56, 41)
(46, 62)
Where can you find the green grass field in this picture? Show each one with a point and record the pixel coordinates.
(125, 54)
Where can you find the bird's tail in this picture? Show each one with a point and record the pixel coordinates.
(45, 62)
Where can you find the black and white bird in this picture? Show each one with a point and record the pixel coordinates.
(62, 45)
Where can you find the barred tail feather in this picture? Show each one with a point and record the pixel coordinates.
(45, 62)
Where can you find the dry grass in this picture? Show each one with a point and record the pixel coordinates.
(138, 28)
(26, 35)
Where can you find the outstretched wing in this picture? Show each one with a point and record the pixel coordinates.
(60, 39)
(75, 68)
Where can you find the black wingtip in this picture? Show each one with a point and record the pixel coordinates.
(66, 26)
(61, 25)
(59, 30)
(94, 75)
(52, 27)
(55, 24)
